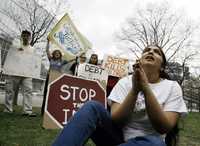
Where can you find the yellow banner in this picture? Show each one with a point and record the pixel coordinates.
(68, 39)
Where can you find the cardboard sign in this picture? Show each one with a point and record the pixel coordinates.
(66, 94)
(18, 63)
(66, 37)
(93, 72)
(115, 66)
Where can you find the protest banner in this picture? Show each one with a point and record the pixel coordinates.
(66, 94)
(65, 37)
(68, 39)
(93, 72)
(115, 66)
(18, 63)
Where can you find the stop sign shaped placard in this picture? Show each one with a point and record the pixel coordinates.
(68, 93)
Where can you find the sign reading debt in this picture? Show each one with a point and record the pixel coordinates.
(66, 95)
(93, 72)
(18, 63)
(115, 66)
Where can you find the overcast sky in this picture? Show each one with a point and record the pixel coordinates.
(98, 20)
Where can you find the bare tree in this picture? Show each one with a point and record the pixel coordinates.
(185, 68)
(180, 71)
(37, 16)
(26, 14)
(157, 24)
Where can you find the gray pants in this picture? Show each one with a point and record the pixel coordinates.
(26, 87)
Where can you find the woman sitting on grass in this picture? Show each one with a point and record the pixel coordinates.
(145, 106)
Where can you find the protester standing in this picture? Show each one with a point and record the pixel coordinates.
(56, 64)
(13, 81)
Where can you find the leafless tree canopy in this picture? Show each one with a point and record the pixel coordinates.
(157, 24)
(29, 15)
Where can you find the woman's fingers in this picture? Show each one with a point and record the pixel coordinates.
(136, 65)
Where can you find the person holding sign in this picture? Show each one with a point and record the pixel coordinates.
(56, 64)
(55, 58)
(25, 82)
(145, 108)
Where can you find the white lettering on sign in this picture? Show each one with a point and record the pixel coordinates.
(83, 94)
(78, 105)
(65, 119)
(74, 91)
(92, 93)
(64, 88)
(67, 111)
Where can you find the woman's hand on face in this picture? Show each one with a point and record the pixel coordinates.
(135, 77)
(139, 79)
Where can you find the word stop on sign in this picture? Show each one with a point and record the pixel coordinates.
(83, 94)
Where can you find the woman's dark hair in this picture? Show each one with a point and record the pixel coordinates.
(26, 32)
(53, 55)
(172, 136)
(90, 61)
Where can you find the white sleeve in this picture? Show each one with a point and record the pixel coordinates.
(119, 92)
(175, 102)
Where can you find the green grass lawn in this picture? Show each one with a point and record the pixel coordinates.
(190, 134)
(16, 130)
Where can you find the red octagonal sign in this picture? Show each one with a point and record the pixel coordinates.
(68, 93)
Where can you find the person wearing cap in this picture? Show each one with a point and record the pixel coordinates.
(24, 82)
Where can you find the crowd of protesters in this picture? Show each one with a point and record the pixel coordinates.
(57, 63)
(133, 102)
